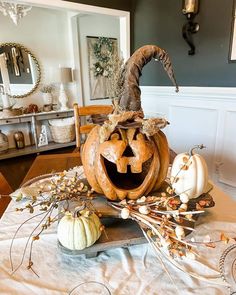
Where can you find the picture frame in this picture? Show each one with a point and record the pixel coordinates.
(99, 51)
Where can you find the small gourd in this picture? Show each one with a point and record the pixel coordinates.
(79, 230)
(189, 175)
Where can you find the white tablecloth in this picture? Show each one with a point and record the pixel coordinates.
(124, 271)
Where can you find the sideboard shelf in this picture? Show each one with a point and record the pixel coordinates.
(13, 152)
(33, 120)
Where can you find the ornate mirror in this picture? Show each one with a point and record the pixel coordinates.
(20, 70)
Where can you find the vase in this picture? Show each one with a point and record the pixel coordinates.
(47, 98)
(4, 144)
(19, 139)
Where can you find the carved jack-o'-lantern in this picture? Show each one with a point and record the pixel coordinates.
(126, 165)
(132, 158)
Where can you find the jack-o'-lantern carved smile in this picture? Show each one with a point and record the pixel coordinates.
(128, 164)
(126, 158)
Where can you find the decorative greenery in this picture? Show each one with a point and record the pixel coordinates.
(102, 48)
(103, 51)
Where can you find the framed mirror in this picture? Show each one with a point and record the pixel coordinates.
(20, 72)
(66, 47)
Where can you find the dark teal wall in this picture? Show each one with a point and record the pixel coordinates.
(160, 22)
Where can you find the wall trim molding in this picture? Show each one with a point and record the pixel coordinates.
(210, 93)
(196, 114)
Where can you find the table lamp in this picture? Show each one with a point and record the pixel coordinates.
(65, 77)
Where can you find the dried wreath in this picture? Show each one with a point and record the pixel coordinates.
(102, 48)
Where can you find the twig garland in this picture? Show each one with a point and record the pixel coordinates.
(162, 219)
(61, 190)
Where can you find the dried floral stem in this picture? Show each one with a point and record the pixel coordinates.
(62, 189)
(12, 241)
(174, 212)
(150, 241)
(216, 279)
(26, 245)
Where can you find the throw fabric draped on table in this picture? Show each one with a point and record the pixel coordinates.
(125, 271)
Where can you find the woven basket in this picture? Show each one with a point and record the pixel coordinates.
(64, 132)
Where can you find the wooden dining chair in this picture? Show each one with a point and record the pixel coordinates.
(81, 113)
(5, 190)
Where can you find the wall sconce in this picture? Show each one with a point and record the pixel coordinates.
(190, 9)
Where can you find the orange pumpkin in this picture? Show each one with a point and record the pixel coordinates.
(128, 164)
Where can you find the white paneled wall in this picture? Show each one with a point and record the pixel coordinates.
(199, 115)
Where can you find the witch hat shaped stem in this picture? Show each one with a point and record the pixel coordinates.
(130, 99)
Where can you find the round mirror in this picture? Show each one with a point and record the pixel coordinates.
(20, 72)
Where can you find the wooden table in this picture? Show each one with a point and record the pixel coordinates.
(124, 271)
(45, 164)
(118, 232)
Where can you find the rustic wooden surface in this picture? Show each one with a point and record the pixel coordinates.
(118, 233)
(45, 164)
(5, 190)
(87, 111)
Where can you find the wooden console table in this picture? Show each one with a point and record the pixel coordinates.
(32, 120)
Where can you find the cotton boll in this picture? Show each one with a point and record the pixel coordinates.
(141, 200)
(143, 210)
(179, 231)
(125, 213)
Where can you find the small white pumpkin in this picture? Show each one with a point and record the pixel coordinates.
(79, 231)
(189, 175)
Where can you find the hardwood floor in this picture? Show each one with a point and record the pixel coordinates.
(15, 169)
(5, 189)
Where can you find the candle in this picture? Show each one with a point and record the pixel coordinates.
(189, 6)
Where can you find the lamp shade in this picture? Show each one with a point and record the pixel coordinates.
(66, 75)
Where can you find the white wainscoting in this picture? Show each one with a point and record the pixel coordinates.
(199, 115)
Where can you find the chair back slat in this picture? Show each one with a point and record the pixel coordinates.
(80, 112)
(95, 110)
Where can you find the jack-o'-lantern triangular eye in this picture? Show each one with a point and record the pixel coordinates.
(128, 152)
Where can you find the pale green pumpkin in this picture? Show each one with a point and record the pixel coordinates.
(79, 232)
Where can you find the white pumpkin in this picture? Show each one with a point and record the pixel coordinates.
(189, 175)
(79, 232)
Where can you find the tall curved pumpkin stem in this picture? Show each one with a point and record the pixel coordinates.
(130, 99)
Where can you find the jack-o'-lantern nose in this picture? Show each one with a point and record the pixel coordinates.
(128, 152)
